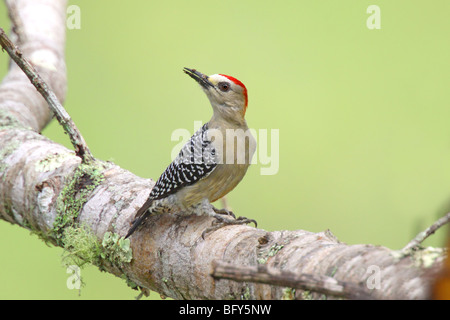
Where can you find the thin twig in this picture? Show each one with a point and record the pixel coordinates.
(314, 283)
(225, 205)
(421, 236)
(77, 140)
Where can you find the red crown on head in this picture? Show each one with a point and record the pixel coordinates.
(239, 83)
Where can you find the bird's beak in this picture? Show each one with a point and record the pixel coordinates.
(201, 78)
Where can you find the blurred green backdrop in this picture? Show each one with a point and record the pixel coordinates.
(362, 114)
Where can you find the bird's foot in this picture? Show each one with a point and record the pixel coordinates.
(221, 221)
(225, 212)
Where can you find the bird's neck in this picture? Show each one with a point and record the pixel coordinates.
(220, 120)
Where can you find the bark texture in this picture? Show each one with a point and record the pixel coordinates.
(44, 187)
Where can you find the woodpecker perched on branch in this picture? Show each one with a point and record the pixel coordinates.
(212, 162)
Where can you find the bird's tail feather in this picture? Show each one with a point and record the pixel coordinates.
(141, 215)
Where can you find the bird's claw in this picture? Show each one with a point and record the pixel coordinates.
(247, 221)
(225, 212)
(221, 221)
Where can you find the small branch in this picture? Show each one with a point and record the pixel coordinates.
(419, 238)
(315, 283)
(77, 140)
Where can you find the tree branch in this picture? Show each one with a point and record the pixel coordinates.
(307, 282)
(86, 207)
(61, 114)
(421, 236)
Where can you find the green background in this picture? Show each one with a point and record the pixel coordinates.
(363, 115)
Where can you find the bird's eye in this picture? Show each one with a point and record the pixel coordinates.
(224, 86)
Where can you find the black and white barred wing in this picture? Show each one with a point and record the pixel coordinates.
(196, 160)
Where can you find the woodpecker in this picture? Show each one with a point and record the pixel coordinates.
(209, 165)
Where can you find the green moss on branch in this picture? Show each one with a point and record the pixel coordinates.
(76, 192)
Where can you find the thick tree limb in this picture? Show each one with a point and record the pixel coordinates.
(44, 187)
(63, 117)
(42, 41)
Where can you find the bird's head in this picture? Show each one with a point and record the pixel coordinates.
(228, 96)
